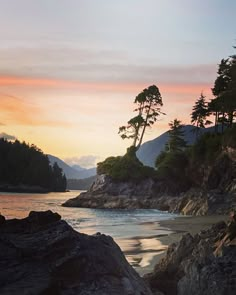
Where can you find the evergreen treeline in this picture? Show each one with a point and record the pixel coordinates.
(22, 164)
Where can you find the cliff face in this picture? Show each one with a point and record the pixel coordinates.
(42, 254)
(219, 174)
(191, 266)
(212, 190)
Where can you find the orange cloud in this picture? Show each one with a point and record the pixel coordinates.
(99, 86)
(16, 110)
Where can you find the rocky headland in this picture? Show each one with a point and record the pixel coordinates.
(210, 190)
(42, 254)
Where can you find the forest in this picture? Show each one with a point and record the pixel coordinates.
(23, 164)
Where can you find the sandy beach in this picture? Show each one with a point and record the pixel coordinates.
(143, 253)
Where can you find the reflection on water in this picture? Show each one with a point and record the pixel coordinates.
(136, 231)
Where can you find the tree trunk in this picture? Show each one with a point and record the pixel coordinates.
(144, 127)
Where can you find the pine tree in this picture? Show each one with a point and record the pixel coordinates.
(224, 90)
(200, 113)
(176, 142)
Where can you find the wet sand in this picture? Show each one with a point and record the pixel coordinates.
(144, 252)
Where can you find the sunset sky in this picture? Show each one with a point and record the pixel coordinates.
(70, 69)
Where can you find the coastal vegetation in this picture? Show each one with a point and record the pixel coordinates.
(148, 105)
(26, 165)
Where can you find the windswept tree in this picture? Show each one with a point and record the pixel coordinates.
(200, 113)
(148, 108)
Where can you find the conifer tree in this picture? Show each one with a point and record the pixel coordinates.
(176, 142)
(200, 113)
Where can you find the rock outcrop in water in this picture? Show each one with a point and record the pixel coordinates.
(191, 267)
(42, 254)
(106, 193)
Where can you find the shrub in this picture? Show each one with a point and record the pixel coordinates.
(125, 168)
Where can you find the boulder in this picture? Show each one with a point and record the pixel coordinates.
(42, 254)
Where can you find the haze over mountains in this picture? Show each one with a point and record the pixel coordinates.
(72, 172)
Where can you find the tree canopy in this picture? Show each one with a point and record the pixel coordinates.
(223, 106)
(148, 108)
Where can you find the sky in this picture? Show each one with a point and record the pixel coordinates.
(71, 69)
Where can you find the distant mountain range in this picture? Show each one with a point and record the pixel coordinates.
(72, 172)
(147, 153)
(149, 150)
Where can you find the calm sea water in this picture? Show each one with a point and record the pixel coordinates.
(131, 229)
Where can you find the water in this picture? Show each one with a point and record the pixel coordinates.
(136, 231)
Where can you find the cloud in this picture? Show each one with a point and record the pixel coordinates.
(88, 161)
(92, 87)
(20, 111)
(51, 66)
(106, 73)
(7, 136)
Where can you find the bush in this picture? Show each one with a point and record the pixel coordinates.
(125, 168)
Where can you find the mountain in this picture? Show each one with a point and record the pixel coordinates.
(85, 173)
(77, 167)
(72, 172)
(149, 150)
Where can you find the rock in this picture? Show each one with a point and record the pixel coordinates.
(192, 268)
(42, 254)
(106, 193)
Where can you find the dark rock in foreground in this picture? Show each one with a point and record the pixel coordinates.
(42, 254)
(190, 267)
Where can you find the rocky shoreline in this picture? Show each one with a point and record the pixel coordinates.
(193, 266)
(210, 189)
(105, 193)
